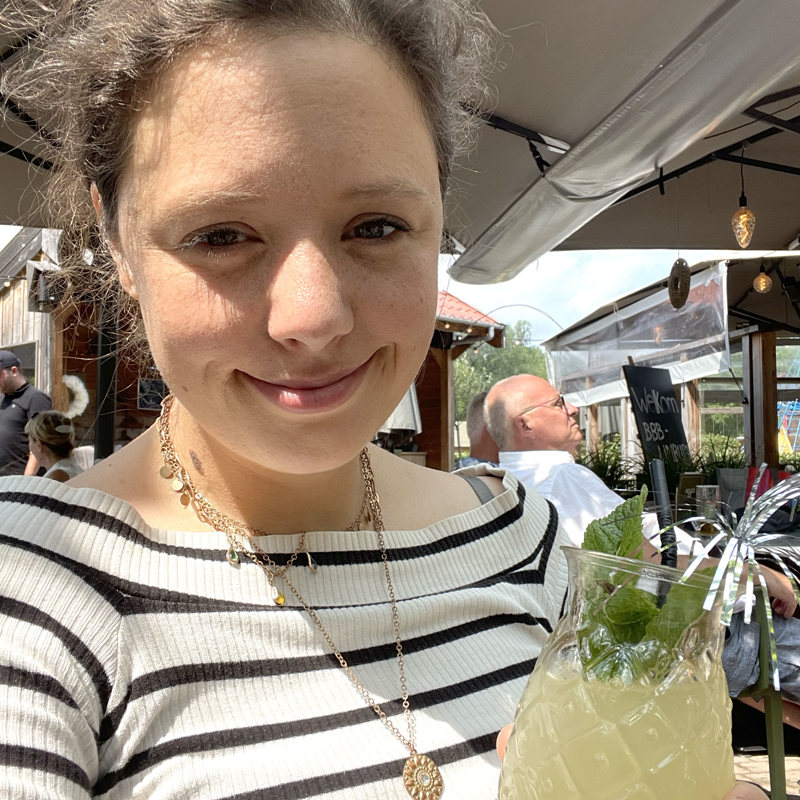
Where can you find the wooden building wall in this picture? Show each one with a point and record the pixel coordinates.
(80, 352)
(19, 326)
(435, 396)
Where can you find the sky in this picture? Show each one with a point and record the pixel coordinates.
(558, 289)
(562, 287)
(6, 234)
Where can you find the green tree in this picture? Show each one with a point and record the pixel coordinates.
(478, 371)
(468, 382)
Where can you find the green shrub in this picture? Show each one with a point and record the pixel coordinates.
(718, 451)
(607, 462)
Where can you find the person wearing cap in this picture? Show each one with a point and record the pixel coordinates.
(21, 401)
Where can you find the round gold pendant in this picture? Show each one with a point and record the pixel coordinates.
(422, 778)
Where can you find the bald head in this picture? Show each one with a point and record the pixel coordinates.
(525, 412)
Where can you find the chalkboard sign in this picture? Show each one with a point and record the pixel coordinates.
(657, 413)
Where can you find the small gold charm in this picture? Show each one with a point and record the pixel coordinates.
(277, 596)
(185, 500)
(422, 778)
(232, 556)
(177, 485)
(165, 471)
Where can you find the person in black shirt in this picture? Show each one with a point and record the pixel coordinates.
(20, 402)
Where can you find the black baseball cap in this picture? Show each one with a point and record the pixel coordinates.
(8, 360)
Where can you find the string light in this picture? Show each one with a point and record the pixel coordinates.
(743, 221)
(762, 283)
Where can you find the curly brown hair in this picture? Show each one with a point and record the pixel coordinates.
(84, 68)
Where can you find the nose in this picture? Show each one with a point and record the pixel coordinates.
(572, 410)
(309, 302)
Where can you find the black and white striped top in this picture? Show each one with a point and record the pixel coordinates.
(137, 663)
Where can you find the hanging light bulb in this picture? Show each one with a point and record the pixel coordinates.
(743, 221)
(762, 282)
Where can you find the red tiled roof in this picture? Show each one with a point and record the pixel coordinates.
(451, 307)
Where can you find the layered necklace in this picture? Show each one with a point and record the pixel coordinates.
(421, 776)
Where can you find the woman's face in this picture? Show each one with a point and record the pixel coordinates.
(280, 220)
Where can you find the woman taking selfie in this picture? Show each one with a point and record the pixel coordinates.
(249, 600)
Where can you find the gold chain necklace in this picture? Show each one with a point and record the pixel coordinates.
(421, 776)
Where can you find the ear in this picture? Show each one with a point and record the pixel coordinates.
(523, 432)
(123, 268)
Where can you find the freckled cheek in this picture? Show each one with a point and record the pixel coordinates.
(408, 314)
(183, 311)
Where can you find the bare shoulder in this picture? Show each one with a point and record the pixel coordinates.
(413, 496)
(131, 474)
(59, 475)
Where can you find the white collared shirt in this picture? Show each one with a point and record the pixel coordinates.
(577, 493)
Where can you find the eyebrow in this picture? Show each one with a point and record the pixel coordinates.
(391, 188)
(193, 203)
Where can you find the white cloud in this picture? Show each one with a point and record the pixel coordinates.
(568, 285)
(7, 233)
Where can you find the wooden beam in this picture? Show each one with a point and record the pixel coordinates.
(761, 414)
(691, 415)
(435, 395)
(592, 427)
(59, 393)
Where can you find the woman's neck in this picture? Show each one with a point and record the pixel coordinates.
(265, 499)
(262, 497)
(47, 457)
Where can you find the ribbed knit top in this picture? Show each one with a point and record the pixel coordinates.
(137, 663)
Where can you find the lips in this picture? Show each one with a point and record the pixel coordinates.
(312, 394)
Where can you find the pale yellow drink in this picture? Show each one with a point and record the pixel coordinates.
(589, 740)
(628, 700)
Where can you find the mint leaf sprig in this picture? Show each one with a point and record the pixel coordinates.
(620, 532)
(625, 632)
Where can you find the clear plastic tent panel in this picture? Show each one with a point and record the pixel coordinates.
(585, 362)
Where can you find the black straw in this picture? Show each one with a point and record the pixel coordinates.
(669, 552)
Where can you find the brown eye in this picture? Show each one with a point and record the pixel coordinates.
(379, 228)
(215, 238)
(223, 237)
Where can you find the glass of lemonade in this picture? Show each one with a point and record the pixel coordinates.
(628, 698)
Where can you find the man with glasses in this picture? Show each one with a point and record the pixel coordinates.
(538, 435)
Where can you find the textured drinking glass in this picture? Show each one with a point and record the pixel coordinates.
(628, 698)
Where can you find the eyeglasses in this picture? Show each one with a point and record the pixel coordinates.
(554, 402)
